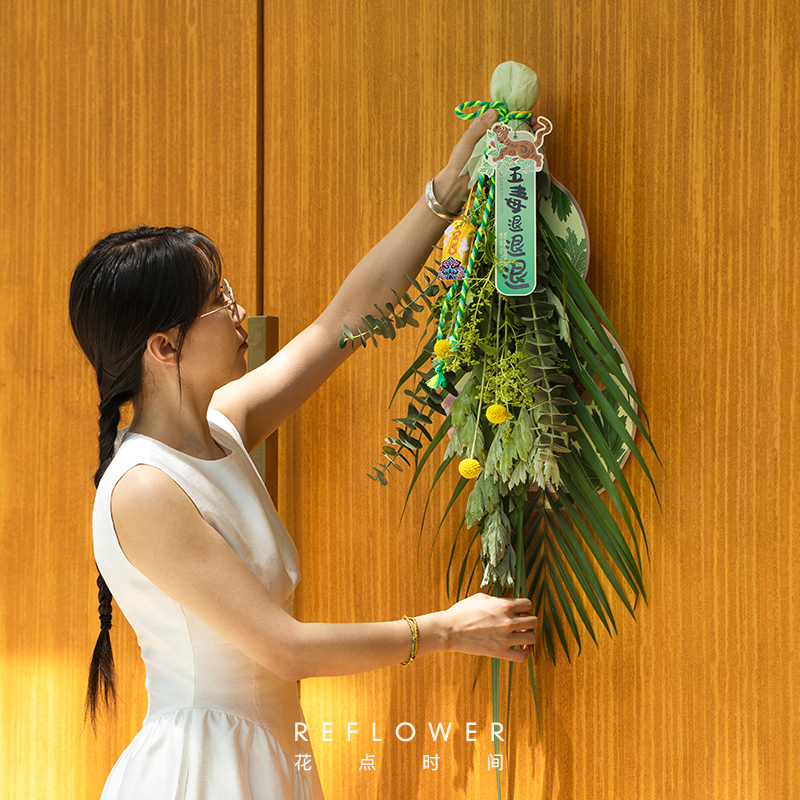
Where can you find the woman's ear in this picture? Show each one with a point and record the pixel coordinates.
(162, 347)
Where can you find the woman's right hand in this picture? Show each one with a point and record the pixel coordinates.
(483, 625)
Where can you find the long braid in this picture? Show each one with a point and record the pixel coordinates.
(101, 669)
(108, 424)
(102, 674)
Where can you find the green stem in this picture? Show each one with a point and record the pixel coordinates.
(478, 418)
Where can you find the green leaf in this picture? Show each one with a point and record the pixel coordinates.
(385, 327)
(437, 438)
(463, 563)
(417, 363)
(567, 581)
(601, 468)
(475, 509)
(553, 615)
(409, 441)
(565, 606)
(560, 202)
(459, 487)
(535, 697)
(496, 714)
(420, 426)
(408, 318)
(604, 527)
(395, 453)
(439, 472)
(580, 566)
(370, 331)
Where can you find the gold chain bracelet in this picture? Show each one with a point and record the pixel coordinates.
(412, 623)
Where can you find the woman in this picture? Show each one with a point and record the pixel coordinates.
(185, 536)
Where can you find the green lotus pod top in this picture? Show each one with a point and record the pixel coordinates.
(515, 85)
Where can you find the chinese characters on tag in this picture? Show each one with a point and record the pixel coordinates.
(513, 158)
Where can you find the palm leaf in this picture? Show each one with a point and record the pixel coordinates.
(580, 567)
(593, 442)
(522, 590)
(605, 407)
(567, 579)
(604, 528)
(566, 610)
(556, 623)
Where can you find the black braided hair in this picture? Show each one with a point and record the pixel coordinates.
(130, 285)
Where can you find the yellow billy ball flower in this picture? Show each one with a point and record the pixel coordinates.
(443, 349)
(469, 468)
(496, 414)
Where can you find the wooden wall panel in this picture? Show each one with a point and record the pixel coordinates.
(111, 114)
(675, 129)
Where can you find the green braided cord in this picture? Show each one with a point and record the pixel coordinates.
(440, 329)
(440, 379)
(480, 106)
(450, 292)
(503, 115)
(445, 308)
(462, 300)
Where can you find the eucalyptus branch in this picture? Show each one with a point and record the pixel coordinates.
(385, 323)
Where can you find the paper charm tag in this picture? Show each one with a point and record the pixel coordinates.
(514, 158)
(455, 250)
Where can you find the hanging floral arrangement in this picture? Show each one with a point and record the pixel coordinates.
(521, 374)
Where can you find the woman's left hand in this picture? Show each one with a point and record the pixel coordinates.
(449, 185)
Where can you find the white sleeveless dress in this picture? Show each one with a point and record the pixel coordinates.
(219, 726)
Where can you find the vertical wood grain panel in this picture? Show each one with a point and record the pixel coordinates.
(675, 129)
(112, 114)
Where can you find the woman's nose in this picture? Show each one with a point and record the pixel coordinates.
(241, 313)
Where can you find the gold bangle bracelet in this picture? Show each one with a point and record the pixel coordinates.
(412, 623)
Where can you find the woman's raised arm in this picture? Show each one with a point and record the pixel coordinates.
(261, 400)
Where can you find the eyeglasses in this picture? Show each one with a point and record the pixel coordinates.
(230, 302)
